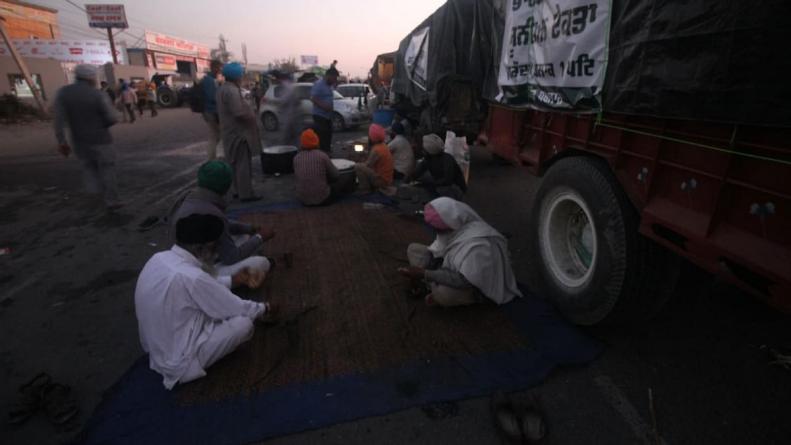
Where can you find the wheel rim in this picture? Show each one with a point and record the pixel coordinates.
(165, 99)
(568, 240)
(270, 123)
(337, 123)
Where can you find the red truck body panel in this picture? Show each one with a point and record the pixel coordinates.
(697, 192)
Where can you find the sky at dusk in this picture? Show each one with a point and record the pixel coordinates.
(351, 31)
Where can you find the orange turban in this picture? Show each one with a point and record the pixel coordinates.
(309, 139)
(376, 133)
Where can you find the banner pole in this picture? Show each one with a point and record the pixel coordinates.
(112, 45)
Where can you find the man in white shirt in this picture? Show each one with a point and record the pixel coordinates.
(403, 156)
(188, 318)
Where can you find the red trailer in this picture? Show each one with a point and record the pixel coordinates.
(661, 129)
(621, 192)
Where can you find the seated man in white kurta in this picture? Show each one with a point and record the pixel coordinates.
(188, 318)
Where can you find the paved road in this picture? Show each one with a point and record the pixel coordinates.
(66, 307)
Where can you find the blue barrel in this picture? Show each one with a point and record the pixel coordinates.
(384, 117)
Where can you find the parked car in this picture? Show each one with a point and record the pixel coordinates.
(356, 90)
(349, 113)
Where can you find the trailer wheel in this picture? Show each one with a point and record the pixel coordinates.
(592, 263)
(166, 98)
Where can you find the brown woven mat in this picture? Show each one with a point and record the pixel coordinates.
(344, 307)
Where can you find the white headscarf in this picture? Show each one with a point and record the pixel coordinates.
(433, 144)
(85, 72)
(476, 250)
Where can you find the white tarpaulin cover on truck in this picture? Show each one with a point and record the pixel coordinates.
(554, 52)
(416, 58)
(715, 60)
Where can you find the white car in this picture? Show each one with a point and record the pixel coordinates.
(349, 113)
(356, 90)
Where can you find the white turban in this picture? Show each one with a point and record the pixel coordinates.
(85, 72)
(433, 144)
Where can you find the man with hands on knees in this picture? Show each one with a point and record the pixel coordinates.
(187, 315)
(239, 244)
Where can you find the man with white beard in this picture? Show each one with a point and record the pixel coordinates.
(187, 316)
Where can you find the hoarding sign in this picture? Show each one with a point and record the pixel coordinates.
(91, 52)
(174, 45)
(106, 16)
(416, 58)
(309, 60)
(555, 53)
(165, 62)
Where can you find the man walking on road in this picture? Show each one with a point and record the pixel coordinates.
(89, 115)
(118, 101)
(208, 87)
(129, 98)
(151, 92)
(322, 96)
(109, 91)
(239, 131)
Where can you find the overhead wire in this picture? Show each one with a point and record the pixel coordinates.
(122, 31)
(139, 35)
(73, 30)
(81, 9)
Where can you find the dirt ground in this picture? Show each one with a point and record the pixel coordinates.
(66, 307)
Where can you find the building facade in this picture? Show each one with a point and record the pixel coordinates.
(27, 21)
(171, 54)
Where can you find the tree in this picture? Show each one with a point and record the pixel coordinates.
(288, 65)
(221, 53)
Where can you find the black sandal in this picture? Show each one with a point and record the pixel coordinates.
(517, 422)
(58, 403)
(29, 400)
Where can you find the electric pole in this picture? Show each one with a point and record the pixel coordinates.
(20, 62)
(112, 45)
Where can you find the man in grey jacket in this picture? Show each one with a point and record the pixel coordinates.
(239, 242)
(239, 130)
(88, 114)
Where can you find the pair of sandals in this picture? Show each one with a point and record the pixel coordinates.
(518, 422)
(41, 393)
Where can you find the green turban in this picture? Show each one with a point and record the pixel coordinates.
(215, 176)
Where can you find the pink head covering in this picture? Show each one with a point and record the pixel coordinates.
(433, 219)
(376, 133)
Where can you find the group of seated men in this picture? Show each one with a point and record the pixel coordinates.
(438, 173)
(188, 315)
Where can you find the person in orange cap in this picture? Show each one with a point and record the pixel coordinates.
(314, 171)
(377, 172)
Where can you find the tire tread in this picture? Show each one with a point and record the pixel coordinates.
(636, 289)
